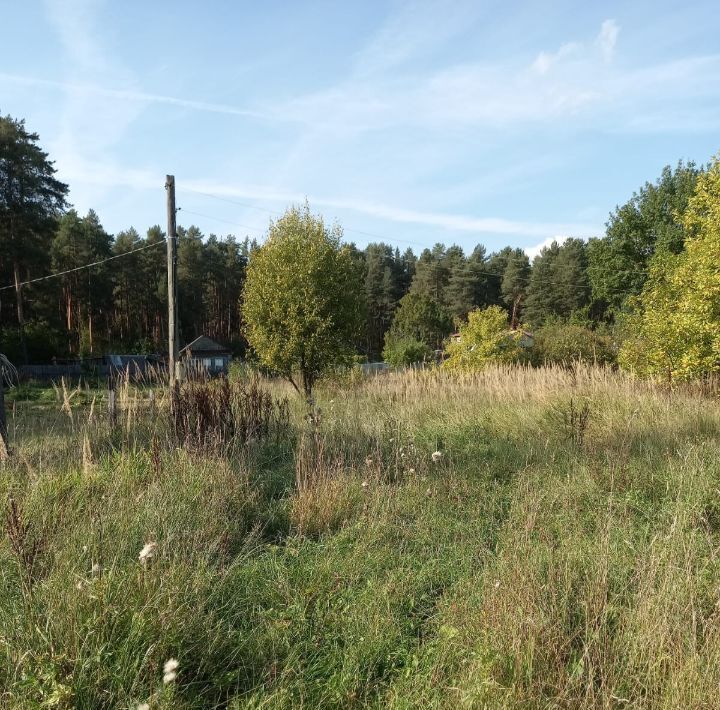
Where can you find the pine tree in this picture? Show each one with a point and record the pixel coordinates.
(514, 284)
(31, 199)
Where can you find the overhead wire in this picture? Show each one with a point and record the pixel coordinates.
(84, 266)
(527, 279)
(245, 226)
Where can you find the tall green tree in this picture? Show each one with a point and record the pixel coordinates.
(432, 273)
(192, 276)
(515, 284)
(558, 284)
(420, 317)
(382, 293)
(303, 299)
(126, 280)
(650, 221)
(31, 198)
(469, 285)
(675, 333)
(86, 292)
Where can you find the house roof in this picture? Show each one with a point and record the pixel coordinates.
(204, 344)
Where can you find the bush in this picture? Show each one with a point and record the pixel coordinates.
(43, 343)
(400, 352)
(565, 343)
(484, 340)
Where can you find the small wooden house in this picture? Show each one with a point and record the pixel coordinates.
(205, 355)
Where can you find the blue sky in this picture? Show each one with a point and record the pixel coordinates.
(462, 122)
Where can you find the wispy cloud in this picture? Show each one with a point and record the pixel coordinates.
(545, 60)
(391, 213)
(120, 95)
(588, 91)
(607, 39)
(415, 29)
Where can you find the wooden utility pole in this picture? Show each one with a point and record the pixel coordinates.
(173, 348)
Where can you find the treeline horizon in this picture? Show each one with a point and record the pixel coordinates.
(120, 305)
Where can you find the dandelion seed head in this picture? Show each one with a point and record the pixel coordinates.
(437, 455)
(148, 552)
(170, 670)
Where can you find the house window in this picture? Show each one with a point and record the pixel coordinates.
(219, 362)
(207, 362)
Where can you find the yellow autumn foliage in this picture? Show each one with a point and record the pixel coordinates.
(677, 328)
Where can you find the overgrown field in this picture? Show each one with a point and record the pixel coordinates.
(561, 552)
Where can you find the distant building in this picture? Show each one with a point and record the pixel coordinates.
(205, 355)
(524, 338)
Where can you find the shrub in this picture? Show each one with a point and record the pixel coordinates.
(564, 343)
(400, 352)
(484, 340)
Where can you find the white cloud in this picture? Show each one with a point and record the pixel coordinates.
(533, 251)
(607, 39)
(545, 60)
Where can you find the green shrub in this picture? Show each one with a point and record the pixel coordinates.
(564, 343)
(400, 352)
(484, 340)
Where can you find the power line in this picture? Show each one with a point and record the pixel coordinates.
(493, 274)
(526, 279)
(276, 213)
(220, 219)
(84, 266)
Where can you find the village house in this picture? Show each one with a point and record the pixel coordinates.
(205, 355)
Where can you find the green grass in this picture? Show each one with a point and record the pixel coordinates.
(546, 561)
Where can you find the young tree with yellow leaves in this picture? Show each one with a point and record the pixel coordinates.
(677, 331)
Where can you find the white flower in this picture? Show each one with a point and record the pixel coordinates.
(411, 470)
(96, 569)
(437, 455)
(148, 552)
(364, 484)
(368, 461)
(170, 670)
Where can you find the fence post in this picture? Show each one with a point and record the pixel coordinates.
(4, 444)
(112, 398)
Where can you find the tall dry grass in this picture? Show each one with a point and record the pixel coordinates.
(561, 551)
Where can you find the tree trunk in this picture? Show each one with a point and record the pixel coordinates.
(514, 319)
(20, 314)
